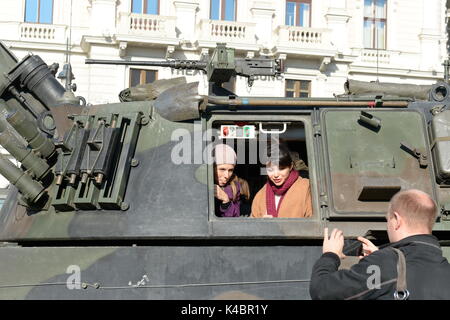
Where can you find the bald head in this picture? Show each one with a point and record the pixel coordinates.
(416, 207)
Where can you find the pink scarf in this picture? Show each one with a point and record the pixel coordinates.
(272, 190)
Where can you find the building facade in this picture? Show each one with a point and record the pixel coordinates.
(322, 42)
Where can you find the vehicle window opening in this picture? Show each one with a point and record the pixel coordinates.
(246, 140)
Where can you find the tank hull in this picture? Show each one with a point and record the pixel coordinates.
(157, 272)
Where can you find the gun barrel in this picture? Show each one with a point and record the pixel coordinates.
(31, 189)
(176, 64)
(30, 132)
(21, 153)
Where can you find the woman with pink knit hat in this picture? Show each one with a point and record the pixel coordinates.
(228, 188)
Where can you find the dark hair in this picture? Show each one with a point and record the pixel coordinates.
(279, 155)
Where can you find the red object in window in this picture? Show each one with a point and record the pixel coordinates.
(241, 123)
(225, 131)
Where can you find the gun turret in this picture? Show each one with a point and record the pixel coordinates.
(219, 69)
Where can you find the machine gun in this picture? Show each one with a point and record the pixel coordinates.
(219, 69)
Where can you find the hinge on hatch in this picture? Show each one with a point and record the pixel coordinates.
(416, 153)
(316, 130)
(323, 202)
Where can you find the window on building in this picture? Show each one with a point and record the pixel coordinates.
(223, 10)
(375, 24)
(39, 11)
(145, 6)
(298, 88)
(142, 76)
(298, 13)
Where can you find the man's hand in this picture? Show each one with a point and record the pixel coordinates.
(335, 243)
(367, 248)
(220, 194)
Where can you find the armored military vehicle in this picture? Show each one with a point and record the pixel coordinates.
(116, 201)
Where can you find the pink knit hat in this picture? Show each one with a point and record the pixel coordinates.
(224, 154)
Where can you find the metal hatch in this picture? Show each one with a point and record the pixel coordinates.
(370, 155)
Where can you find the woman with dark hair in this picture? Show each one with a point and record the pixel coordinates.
(229, 190)
(286, 194)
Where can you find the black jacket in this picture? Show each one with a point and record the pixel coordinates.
(427, 273)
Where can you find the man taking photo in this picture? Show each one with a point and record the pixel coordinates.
(410, 267)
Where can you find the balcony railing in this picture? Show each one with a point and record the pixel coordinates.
(376, 56)
(42, 32)
(301, 37)
(147, 25)
(386, 58)
(227, 31)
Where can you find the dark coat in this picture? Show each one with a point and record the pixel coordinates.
(427, 273)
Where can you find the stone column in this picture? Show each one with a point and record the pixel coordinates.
(103, 17)
(337, 18)
(263, 13)
(186, 12)
(430, 35)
